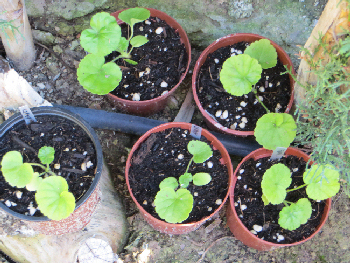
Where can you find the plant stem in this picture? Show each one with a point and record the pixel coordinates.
(47, 170)
(297, 188)
(188, 166)
(257, 97)
(287, 203)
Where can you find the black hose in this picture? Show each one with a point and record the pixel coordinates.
(125, 123)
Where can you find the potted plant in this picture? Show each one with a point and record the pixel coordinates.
(147, 54)
(60, 149)
(177, 181)
(284, 193)
(237, 113)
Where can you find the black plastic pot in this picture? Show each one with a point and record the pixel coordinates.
(84, 203)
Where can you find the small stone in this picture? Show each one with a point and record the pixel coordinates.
(242, 125)
(141, 28)
(233, 126)
(238, 117)
(224, 115)
(295, 169)
(136, 96)
(261, 89)
(257, 228)
(144, 202)
(239, 177)
(280, 238)
(241, 171)
(218, 113)
(253, 232)
(13, 204)
(261, 98)
(141, 74)
(270, 85)
(159, 30)
(57, 166)
(239, 108)
(180, 156)
(210, 165)
(164, 92)
(147, 22)
(245, 186)
(147, 70)
(236, 204)
(244, 119)
(243, 207)
(19, 194)
(267, 77)
(195, 194)
(216, 60)
(8, 203)
(243, 103)
(164, 84)
(210, 209)
(257, 164)
(83, 167)
(218, 201)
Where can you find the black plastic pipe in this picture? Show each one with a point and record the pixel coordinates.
(125, 123)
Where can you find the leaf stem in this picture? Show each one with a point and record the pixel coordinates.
(297, 188)
(257, 97)
(188, 166)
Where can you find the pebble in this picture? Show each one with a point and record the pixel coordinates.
(241, 171)
(210, 209)
(195, 194)
(233, 126)
(243, 103)
(239, 177)
(56, 166)
(8, 203)
(242, 125)
(216, 60)
(147, 22)
(257, 228)
(141, 74)
(218, 113)
(261, 89)
(243, 207)
(244, 119)
(224, 115)
(180, 156)
(19, 194)
(144, 202)
(253, 232)
(218, 201)
(164, 84)
(159, 30)
(261, 98)
(136, 96)
(164, 92)
(89, 164)
(210, 165)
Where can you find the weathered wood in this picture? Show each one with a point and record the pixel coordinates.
(187, 109)
(108, 225)
(331, 25)
(18, 44)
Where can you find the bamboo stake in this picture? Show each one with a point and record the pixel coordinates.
(18, 42)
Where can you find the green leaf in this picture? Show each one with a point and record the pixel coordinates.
(263, 51)
(200, 179)
(135, 15)
(185, 180)
(16, 172)
(123, 45)
(275, 130)
(201, 151)
(239, 73)
(138, 41)
(130, 61)
(34, 183)
(170, 182)
(322, 181)
(53, 198)
(291, 217)
(275, 182)
(46, 154)
(96, 76)
(173, 207)
(104, 35)
(265, 200)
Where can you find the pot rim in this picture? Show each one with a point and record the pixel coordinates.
(47, 110)
(183, 38)
(229, 40)
(212, 139)
(258, 154)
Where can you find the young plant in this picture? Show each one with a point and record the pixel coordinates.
(100, 40)
(320, 182)
(52, 195)
(174, 202)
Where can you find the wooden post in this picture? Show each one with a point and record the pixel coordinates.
(331, 25)
(18, 44)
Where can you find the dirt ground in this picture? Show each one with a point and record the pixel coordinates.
(54, 77)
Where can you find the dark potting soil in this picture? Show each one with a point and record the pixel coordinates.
(248, 193)
(243, 111)
(158, 158)
(72, 145)
(161, 62)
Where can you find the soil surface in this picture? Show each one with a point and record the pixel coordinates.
(54, 77)
(248, 194)
(161, 62)
(73, 150)
(165, 154)
(240, 112)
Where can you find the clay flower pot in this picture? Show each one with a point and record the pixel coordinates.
(227, 41)
(235, 224)
(87, 204)
(180, 228)
(152, 106)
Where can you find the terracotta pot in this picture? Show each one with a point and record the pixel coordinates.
(235, 224)
(152, 106)
(163, 226)
(226, 41)
(87, 204)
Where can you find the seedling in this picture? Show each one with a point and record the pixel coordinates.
(102, 39)
(320, 182)
(52, 195)
(174, 202)
(239, 75)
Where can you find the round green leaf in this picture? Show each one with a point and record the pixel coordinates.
(275, 182)
(322, 181)
(16, 172)
(123, 45)
(135, 15)
(169, 182)
(34, 183)
(239, 73)
(275, 130)
(138, 41)
(96, 76)
(291, 217)
(53, 198)
(46, 154)
(185, 180)
(201, 151)
(104, 35)
(173, 207)
(200, 179)
(263, 51)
